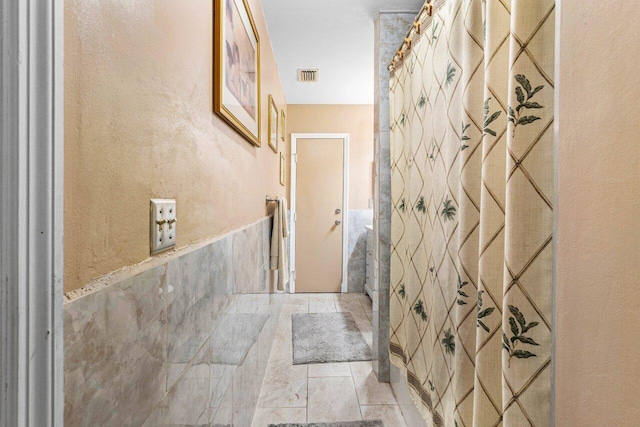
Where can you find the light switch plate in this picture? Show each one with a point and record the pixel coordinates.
(163, 225)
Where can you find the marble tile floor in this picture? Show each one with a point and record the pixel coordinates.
(327, 392)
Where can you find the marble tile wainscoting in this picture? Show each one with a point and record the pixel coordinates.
(357, 247)
(146, 348)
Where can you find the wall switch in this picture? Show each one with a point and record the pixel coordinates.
(163, 225)
(370, 203)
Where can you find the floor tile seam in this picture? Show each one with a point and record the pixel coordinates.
(332, 376)
(307, 402)
(381, 404)
(355, 389)
(280, 407)
(362, 306)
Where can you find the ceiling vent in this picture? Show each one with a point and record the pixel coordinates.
(308, 76)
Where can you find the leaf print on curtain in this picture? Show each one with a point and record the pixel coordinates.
(482, 312)
(518, 329)
(488, 119)
(434, 30)
(472, 180)
(421, 206)
(464, 137)
(517, 117)
(451, 73)
(461, 293)
(422, 101)
(449, 342)
(419, 309)
(448, 210)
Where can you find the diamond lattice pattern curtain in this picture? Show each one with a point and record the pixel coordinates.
(472, 189)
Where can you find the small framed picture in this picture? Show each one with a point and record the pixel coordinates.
(283, 170)
(273, 125)
(283, 126)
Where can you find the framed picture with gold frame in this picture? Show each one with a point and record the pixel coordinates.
(282, 170)
(283, 126)
(273, 125)
(236, 71)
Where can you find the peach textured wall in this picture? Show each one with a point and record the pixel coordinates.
(598, 246)
(357, 120)
(139, 125)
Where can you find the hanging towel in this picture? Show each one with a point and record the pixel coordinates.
(278, 243)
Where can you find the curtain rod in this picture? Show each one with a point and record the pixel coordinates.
(423, 19)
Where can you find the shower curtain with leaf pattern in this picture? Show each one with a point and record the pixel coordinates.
(472, 109)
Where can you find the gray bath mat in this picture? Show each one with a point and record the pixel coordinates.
(327, 337)
(374, 423)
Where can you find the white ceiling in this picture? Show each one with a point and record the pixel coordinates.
(336, 36)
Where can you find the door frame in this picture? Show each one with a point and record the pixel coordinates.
(344, 137)
(31, 218)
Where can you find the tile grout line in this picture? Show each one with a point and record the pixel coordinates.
(307, 401)
(307, 404)
(355, 388)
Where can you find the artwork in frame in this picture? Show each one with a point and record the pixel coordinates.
(237, 68)
(282, 170)
(283, 126)
(273, 125)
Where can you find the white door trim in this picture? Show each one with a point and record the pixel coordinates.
(31, 217)
(345, 202)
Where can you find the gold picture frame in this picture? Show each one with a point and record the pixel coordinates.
(283, 126)
(273, 125)
(282, 170)
(236, 71)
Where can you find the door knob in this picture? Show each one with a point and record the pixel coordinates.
(338, 222)
(338, 211)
